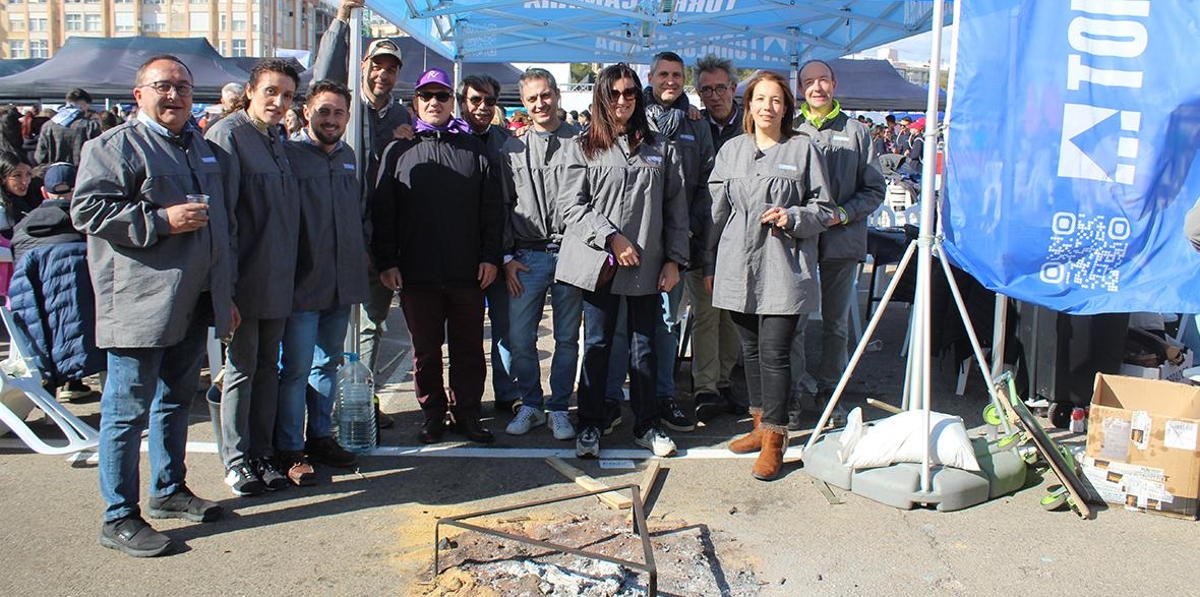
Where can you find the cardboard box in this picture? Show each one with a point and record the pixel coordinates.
(1170, 371)
(1142, 445)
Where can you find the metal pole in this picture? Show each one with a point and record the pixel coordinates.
(926, 239)
(354, 138)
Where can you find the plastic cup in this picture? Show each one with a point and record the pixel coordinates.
(198, 198)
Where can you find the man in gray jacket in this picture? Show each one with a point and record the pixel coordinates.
(160, 261)
(62, 139)
(532, 170)
(858, 189)
(386, 120)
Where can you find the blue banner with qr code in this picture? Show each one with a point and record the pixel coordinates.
(1072, 153)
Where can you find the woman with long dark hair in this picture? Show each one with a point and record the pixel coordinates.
(626, 239)
(261, 187)
(15, 196)
(770, 204)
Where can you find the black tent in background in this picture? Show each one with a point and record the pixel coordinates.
(16, 65)
(106, 67)
(874, 85)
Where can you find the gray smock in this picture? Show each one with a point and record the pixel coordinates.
(58, 143)
(533, 176)
(694, 142)
(331, 264)
(855, 183)
(641, 195)
(262, 196)
(758, 270)
(147, 280)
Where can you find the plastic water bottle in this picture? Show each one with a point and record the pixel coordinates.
(354, 423)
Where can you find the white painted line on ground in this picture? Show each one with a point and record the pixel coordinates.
(793, 453)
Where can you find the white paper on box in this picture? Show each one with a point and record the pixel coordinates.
(1145, 488)
(1106, 468)
(1139, 433)
(616, 463)
(1114, 440)
(1180, 435)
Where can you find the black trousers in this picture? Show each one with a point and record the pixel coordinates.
(766, 345)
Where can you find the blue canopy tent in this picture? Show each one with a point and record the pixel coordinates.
(754, 33)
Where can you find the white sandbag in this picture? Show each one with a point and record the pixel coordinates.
(850, 434)
(901, 438)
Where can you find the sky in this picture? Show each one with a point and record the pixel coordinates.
(916, 48)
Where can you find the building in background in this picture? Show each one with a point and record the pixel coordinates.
(38, 28)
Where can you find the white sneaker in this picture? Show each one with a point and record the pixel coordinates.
(560, 425)
(656, 441)
(527, 418)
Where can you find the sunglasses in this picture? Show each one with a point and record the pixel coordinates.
(481, 99)
(441, 96)
(629, 93)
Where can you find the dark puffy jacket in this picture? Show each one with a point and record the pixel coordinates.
(437, 211)
(55, 307)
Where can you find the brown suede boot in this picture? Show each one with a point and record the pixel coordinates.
(751, 442)
(770, 460)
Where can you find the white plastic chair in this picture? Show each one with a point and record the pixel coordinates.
(22, 390)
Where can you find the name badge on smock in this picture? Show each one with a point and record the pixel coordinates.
(208, 159)
(787, 167)
(688, 137)
(654, 159)
(348, 166)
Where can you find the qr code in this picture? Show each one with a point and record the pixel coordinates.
(1086, 251)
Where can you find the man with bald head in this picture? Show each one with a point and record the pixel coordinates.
(858, 188)
(149, 198)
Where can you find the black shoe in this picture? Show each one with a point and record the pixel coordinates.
(384, 420)
(708, 406)
(184, 504)
(472, 429)
(672, 417)
(612, 412)
(432, 430)
(732, 406)
(326, 451)
(273, 479)
(242, 480)
(133, 536)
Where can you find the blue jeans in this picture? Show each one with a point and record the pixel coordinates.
(666, 347)
(147, 387)
(503, 385)
(600, 323)
(310, 356)
(525, 313)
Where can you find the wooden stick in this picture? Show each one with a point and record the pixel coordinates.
(612, 499)
(884, 406)
(648, 479)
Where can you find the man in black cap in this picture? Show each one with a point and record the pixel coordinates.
(62, 138)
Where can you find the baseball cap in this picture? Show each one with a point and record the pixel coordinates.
(434, 76)
(384, 47)
(59, 178)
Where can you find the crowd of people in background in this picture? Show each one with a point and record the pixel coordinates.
(258, 220)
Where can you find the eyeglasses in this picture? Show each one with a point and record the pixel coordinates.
(165, 87)
(441, 96)
(629, 93)
(717, 89)
(481, 99)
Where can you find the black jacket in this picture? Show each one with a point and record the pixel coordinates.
(436, 210)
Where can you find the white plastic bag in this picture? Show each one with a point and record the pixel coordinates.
(901, 438)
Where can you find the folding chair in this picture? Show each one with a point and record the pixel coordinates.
(22, 388)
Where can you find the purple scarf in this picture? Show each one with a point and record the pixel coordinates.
(454, 127)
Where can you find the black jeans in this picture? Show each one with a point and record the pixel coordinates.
(599, 324)
(766, 344)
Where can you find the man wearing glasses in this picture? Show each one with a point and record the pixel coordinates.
(715, 345)
(386, 120)
(477, 97)
(149, 198)
(439, 222)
